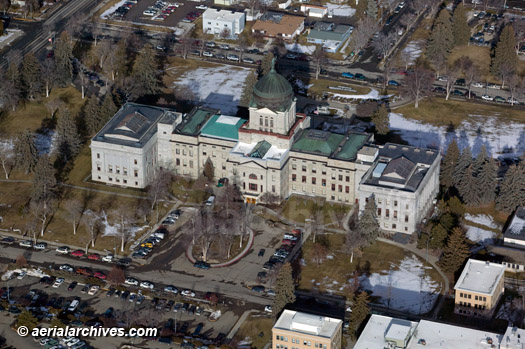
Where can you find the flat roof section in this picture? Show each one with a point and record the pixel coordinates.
(315, 325)
(480, 277)
(195, 120)
(223, 127)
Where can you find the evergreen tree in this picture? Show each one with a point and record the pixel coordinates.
(467, 187)
(13, 73)
(26, 152)
(368, 226)
(441, 40)
(460, 27)
(448, 164)
(284, 289)
(456, 251)
(44, 181)
(359, 313)
(486, 179)
(92, 116)
(247, 91)
(479, 161)
(31, 81)
(68, 138)
(439, 235)
(107, 110)
(209, 171)
(371, 9)
(505, 59)
(512, 189)
(380, 120)
(361, 8)
(145, 72)
(27, 319)
(267, 63)
(64, 60)
(464, 161)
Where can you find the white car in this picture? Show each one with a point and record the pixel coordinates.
(108, 258)
(26, 243)
(93, 290)
(158, 235)
(402, 4)
(63, 250)
(149, 13)
(40, 246)
(207, 54)
(171, 289)
(188, 293)
(201, 7)
(147, 284)
(487, 98)
(131, 281)
(478, 85)
(58, 282)
(268, 308)
(178, 4)
(494, 86)
(72, 342)
(21, 275)
(67, 267)
(400, 31)
(234, 58)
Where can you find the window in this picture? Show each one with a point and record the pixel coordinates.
(271, 122)
(191, 164)
(304, 168)
(340, 177)
(469, 297)
(323, 182)
(135, 161)
(110, 179)
(177, 151)
(313, 180)
(303, 179)
(340, 188)
(265, 122)
(261, 177)
(314, 170)
(395, 214)
(136, 183)
(252, 176)
(136, 172)
(387, 213)
(117, 169)
(273, 188)
(252, 186)
(125, 171)
(294, 177)
(98, 155)
(333, 186)
(323, 172)
(406, 228)
(395, 203)
(191, 152)
(484, 300)
(98, 167)
(406, 207)
(110, 168)
(379, 211)
(177, 162)
(476, 297)
(348, 178)
(394, 226)
(347, 189)
(118, 180)
(379, 200)
(294, 167)
(260, 121)
(125, 181)
(406, 218)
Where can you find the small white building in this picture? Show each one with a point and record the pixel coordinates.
(124, 152)
(215, 21)
(314, 10)
(404, 181)
(225, 2)
(514, 236)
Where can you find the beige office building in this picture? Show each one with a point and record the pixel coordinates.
(296, 330)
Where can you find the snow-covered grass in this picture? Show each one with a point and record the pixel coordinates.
(218, 87)
(373, 94)
(298, 48)
(9, 34)
(406, 287)
(475, 131)
(483, 219)
(112, 9)
(480, 235)
(340, 10)
(414, 50)
(45, 142)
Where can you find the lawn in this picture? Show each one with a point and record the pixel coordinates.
(178, 66)
(322, 85)
(480, 55)
(338, 270)
(251, 330)
(32, 115)
(298, 208)
(439, 112)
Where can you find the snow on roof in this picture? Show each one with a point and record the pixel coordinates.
(425, 334)
(516, 229)
(321, 326)
(272, 153)
(379, 327)
(222, 15)
(438, 335)
(514, 338)
(480, 277)
(228, 120)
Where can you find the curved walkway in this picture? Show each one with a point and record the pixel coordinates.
(432, 260)
(247, 248)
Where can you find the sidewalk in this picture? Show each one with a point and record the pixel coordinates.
(12, 35)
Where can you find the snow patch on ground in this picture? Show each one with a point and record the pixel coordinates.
(483, 219)
(302, 85)
(373, 94)
(340, 10)
(45, 142)
(217, 87)
(8, 34)
(480, 235)
(298, 48)
(112, 9)
(499, 137)
(414, 50)
(408, 288)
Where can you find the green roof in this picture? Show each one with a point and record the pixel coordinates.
(193, 122)
(272, 91)
(316, 141)
(350, 148)
(339, 146)
(260, 150)
(223, 126)
(326, 35)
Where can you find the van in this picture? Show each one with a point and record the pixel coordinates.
(210, 200)
(73, 306)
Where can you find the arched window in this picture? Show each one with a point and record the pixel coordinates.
(252, 176)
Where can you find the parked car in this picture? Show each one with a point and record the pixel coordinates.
(8, 240)
(93, 289)
(232, 57)
(40, 246)
(487, 98)
(258, 288)
(94, 256)
(100, 275)
(108, 258)
(500, 99)
(261, 252)
(202, 265)
(147, 284)
(77, 253)
(66, 267)
(359, 76)
(62, 250)
(347, 75)
(393, 83)
(248, 60)
(188, 293)
(131, 281)
(207, 54)
(171, 289)
(26, 243)
(58, 282)
(72, 286)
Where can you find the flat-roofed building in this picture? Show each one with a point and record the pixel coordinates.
(479, 288)
(306, 331)
(217, 22)
(514, 235)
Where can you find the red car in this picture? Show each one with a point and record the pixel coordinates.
(100, 275)
(77, 253)
(94, 256)
(84, 271)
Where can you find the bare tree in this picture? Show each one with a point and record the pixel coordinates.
(159, 188)
(124, 218)
(225, 34)
(116, 276)
(418, 84)
(102, 50)
(470, 72)
(354, 242)
(366, 27)
(515, 82)
(41, 210)
(91, 221)
(406, 57)
(48, 74)
(7, 155)
(247, 217)
(74, 208)
(319, 253)
(319, 60)
(76, 24)
(206, 233)
(242, 46)
(382, 43)
(388, 70)
(96, 32)
(408, 20)
(53, 105)
(452, 73)
(13, 56)
(185, 46)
